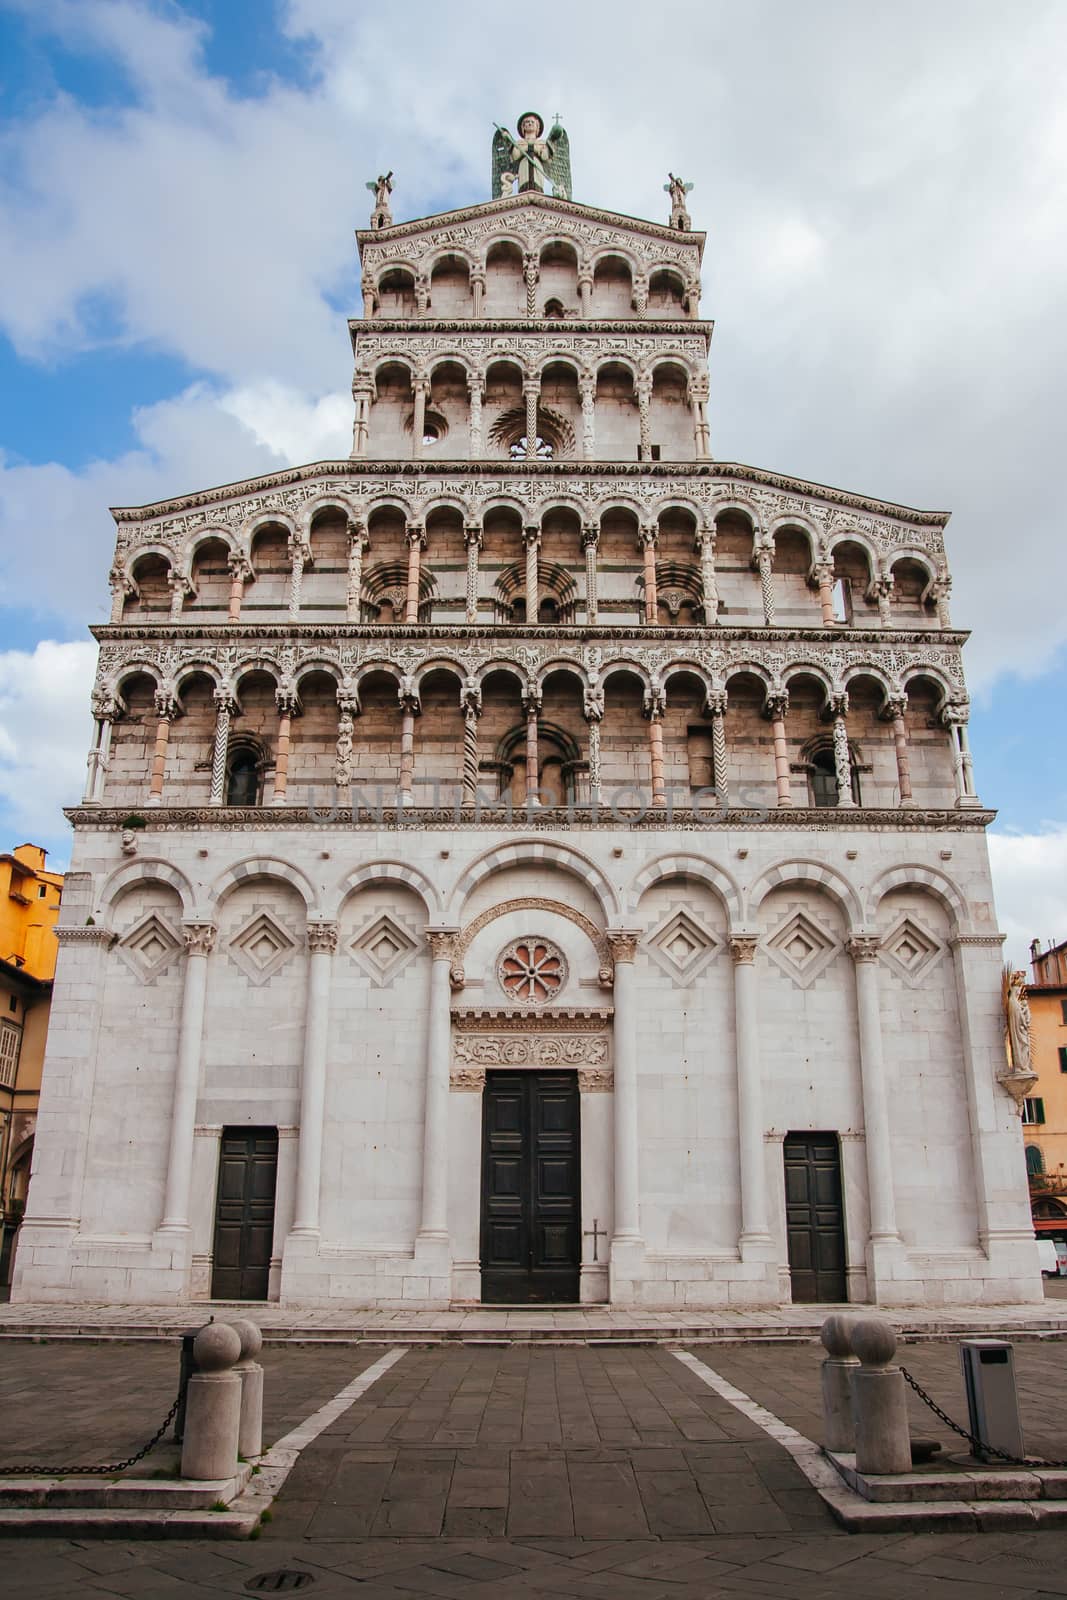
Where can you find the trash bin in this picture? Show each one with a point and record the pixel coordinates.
(992, 1398)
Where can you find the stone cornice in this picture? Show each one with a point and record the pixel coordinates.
(666, 473)
(534, 200)
(494, 1019)
(557, 331)
(679, 819)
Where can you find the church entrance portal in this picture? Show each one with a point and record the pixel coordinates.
(814, 1215)
(244, 1213)
(531, 1212)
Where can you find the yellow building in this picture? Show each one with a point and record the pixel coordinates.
(29, 909)
(1045, 1109)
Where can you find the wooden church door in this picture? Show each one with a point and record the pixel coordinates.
(814, 1216)
(531, 1205)
(244, 1213)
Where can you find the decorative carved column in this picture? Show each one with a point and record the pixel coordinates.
(199, 941)
(322, 943)
(166, 708)
(298, 554)
(594, 714)
(532, 539)
(409, 708)
(471, 702)
(532, 705)
(717, 712)
(824, 572)
(585, 288)
(531, 393)
(362, 394)
(240, 571)
(882, 589)
(476, 394)
(416, 537)
(648, 540)
(422, 294)
(644, 413)
(654, 708)
(225, 711)
(357, 543)
(954, 718)
(477, 288)
(590, 541)
(287, 709)
(627, 1236)
(754, 1226)
(123, 588)
(776, 707)
(842, 755)
(640, 295)
(698, 402)
(587, 395)
(104, 712)
(420, 385)
(347, 709)
(180, 588)
(433, 1224)
(764, 556)
(369, 291)
(472, 536)
(940, 590)
(894, 711)
(864, 953)
(705, 549)
(531, 272)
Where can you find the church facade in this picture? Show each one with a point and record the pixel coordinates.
(529, 860)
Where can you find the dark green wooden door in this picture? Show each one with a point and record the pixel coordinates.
(814, 1214)
(244, 1213)
(531, 1206)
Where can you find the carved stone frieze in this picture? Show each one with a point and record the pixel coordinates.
(536, 1050)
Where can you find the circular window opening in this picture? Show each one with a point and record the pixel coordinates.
(532, 971)
(430, 434)
(543, 448)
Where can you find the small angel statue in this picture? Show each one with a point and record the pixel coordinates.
(381, 188)
(678, 189)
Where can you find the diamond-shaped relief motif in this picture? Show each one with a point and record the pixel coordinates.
(150, 947)
(383, 948)
(910, 950)
(801, 948)
(682, 947)
(261, 948)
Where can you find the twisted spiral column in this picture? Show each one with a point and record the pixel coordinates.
(225, 706)
(717, 708)
(472, 535)
(531, 392)
(842, 758)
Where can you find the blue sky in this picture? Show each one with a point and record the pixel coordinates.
(885, 202)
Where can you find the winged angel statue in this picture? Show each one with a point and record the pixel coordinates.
(532, 161)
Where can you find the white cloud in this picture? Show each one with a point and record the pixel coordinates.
(1030, 883)
(45, 730)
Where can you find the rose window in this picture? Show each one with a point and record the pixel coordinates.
(532, 971)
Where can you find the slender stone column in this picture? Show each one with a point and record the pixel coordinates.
(864, 953)
(472, 535)
(166, 709)
(240, 572)
(654, 709)
(287, 709)
(477, 289)
(532, 539)
(362, 394)
(199, 940)
(585, 289)
(409, 708)
(717, 712)
(532, 703)
(648, 540)
(587, 395)
(421, 388)
(422, 294)
(883, 593)
(180, 587)
(754, 1226)
(357, 543)
(470, 700)
(842, 755)
(590, 541)
(824, 572)
(594, 713)
(476, 393)
(322, 943)
(433, 1224)
(640, 295)
(347, 709)
(531, 271)
(764, 557)
(776, 708)
(967, 761)
(954, 718)
(416, 545)
(705, 549)
(368, 289)
(894, 712)
(644, 412)
(297, 556)
(123, 588)
(104, 713)
(531, 393)
(225, 710)
(698, 401)
(941, 589)
(623, 943)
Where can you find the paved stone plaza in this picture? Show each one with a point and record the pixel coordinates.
(584, 1470)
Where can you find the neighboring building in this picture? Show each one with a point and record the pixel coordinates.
(1045, 1109)
(29, 910)
(335, 1023)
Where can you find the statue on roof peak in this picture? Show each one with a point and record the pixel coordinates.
(530, 160)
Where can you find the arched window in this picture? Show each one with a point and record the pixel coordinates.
(822, 776)
(243, 774)
(554, 308)
(1035, 1161)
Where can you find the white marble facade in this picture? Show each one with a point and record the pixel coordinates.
(245, 942)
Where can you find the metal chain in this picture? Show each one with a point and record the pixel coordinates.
(979, 1445)
(112, 1466)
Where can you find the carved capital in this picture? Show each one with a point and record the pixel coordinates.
(472, 535)
(416, 536)
(648, 536)
(239, 566)
(322, 938)
(166, 705)
(864, 947)
(622, 942)
(442, 943)
(468, 1078)
(590, 535)
(288, 703)
(776, 705)
(743, 947)
(199, 937)
(716, 703)
(837, 705)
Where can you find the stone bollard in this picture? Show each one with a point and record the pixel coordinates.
(838, 1430)
(879, 1407)
(250, 1436)
(213, 1406)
